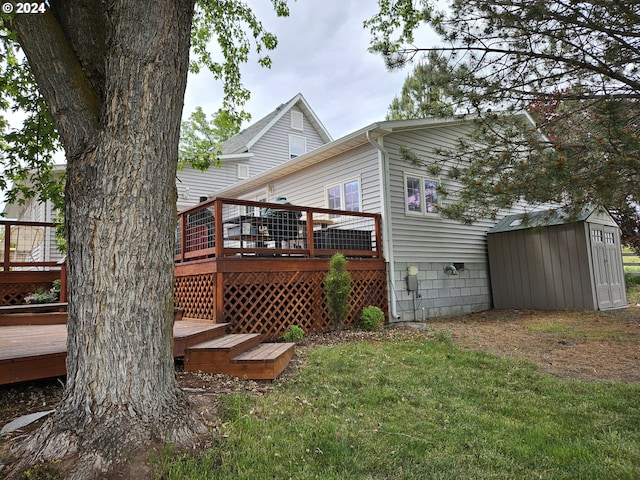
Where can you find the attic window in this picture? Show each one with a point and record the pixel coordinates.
(243, 171)
(297, 146)
(297, 121)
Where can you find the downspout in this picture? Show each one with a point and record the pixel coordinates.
(387, 239)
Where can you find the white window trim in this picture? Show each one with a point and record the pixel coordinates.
(422, 178)
(297, 121)
(304, 139)
(343, 196)
(243, 171)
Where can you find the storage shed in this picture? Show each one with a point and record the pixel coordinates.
(546, 260)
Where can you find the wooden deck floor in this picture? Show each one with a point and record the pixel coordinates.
(30, 352)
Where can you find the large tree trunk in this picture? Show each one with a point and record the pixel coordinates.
(117, 104)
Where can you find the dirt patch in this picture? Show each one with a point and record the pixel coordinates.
(590, 346)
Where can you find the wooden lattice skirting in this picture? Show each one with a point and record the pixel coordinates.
(16, 285)
(267, 296)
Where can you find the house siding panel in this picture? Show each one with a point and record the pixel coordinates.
(273, 147)
(193, 184)
(308, 186)
(429, 236)
(269, 151)
(431, 242)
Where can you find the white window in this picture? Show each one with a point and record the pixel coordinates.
(421, 194)
(344, 196)
(596, 236)
(608, 238)
(243, 171)
(297, 146)
(297, 121)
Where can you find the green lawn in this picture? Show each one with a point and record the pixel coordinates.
(413, 408)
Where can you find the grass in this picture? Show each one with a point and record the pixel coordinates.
(407, 408)
(633, 288)
(633, 292)
(632, 281)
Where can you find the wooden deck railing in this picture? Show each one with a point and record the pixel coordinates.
(29, 260)
(226, 227)
(28, 245)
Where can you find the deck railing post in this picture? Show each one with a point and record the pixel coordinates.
(183, 236)
(218, 233)
(378, 228)
(7, 247)
(309, 232)
(63, 280)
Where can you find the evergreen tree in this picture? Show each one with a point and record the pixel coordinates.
(422, 94)
(519, 55)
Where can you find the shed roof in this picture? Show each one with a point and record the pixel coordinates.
(551, 217)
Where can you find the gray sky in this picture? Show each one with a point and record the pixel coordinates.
(322, 53)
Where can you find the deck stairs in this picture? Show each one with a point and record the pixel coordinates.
(33, 346)
(240, 355)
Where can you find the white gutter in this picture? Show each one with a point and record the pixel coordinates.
(387, 238)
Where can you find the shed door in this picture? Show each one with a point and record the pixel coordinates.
(607, 267)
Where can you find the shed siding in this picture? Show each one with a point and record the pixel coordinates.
(541, 268)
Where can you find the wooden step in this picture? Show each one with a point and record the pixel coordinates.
(264, 362)
(187, 333)
(32, 352)
(240, 355)
(214, 355)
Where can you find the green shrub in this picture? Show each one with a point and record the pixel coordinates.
(372, 318)
(295, 334)
(45, 296)
(338, 287)
(41, 296)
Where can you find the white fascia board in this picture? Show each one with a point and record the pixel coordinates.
(231, 157)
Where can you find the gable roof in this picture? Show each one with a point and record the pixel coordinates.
(368, 134)
(244, 140)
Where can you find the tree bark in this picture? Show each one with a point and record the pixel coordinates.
(119, 121)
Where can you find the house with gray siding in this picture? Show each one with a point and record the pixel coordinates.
(291, 130)
(436, 266)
